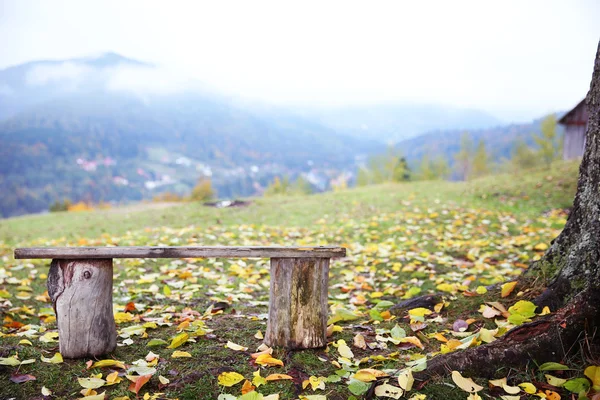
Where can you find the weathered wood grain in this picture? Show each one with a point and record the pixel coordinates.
(81, 292)
(70, 253)
(298, 303)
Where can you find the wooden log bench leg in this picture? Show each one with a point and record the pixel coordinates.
(298, 303)
(81, 292)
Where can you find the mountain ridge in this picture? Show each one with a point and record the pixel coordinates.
(111, 128)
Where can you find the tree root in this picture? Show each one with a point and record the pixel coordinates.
(550, 338)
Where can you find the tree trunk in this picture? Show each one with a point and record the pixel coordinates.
(570, 271)
(298, 303)
(572, 263)
(81, 292)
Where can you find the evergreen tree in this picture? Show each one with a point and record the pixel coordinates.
(400, 170)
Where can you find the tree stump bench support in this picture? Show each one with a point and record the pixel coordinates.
(80, 287)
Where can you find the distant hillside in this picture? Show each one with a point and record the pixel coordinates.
(110, 128)
(499, 141)
(81, 129)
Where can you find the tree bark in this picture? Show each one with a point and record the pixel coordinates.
(570, 271)
(298, 303)
(81, 292)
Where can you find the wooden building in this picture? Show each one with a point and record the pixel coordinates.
(575, 123)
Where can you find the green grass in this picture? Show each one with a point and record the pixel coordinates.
(531, 193)
(401, 238)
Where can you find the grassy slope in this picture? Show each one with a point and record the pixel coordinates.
(429, 228)
(532, 193)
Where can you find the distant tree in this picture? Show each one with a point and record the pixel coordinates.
(278, 187)
(340, 183)
(441, 168)
(60, 205)
(80, 206)
(480, 161)
(388, 167)
(523, 156)
(400, 170)
(203, 190)
(429, 169)
(548, 141)
(363, 177)
(425, 171)
(464, 157)
(167, 197)
(301, 186)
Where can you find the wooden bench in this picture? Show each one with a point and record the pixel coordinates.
(80, 287)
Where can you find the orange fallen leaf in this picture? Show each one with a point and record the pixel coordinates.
(413, 340)
(139, 382)
(247, 387)
(130, 307)
(278, 377)
(440, 337)
(508, 288)
(551, 395)
(260, 353)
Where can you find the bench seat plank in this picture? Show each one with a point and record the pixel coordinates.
(81, 253)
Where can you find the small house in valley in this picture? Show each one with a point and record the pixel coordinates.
(575, 123)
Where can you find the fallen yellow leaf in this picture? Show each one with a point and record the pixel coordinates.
(267, 359)
(528, 387)
(56, 359)
(230, 378)
(465, 384)
(406, 380)
(593, 372)
(555, 381)
(108, 363)
(258, 380)
(235, 346)
(179, 340)
(344, 350)
(368, 374)
(113, 378)
(91, 383)
(387, 390)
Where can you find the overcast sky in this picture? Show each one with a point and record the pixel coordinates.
(515, 59)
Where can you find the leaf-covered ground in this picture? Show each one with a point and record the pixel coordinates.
(192, 329)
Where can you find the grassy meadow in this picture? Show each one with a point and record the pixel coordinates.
(191, 325)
